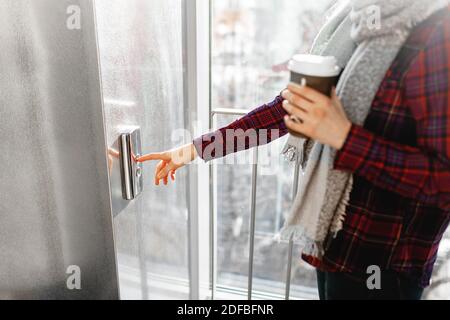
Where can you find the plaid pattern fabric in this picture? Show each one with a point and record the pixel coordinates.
(268, 117)
(400, 204)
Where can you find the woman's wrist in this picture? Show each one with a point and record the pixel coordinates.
(183, 155)
(193, 152)
(342, 138)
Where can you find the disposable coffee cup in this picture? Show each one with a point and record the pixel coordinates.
(318, 72)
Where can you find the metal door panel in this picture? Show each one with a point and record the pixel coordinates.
(54, 199)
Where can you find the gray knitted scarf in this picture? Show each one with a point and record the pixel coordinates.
(366, 51)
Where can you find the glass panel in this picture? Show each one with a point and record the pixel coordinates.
(140, 44)
(252, 42)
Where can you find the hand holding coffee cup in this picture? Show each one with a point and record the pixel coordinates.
(314, 110)
(318, 72)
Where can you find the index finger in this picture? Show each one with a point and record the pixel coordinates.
(152, 156)
(307, 92)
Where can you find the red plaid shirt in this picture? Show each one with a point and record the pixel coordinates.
(400, 204)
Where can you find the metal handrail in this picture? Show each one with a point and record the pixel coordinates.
(229, 112)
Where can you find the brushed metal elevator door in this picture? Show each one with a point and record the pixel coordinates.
(55, 211)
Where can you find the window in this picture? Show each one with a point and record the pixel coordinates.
(251, 44)
(252, 41)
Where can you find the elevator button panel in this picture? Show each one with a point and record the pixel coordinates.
(131, 170)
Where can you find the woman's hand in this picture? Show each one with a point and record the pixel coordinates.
(170, 161)
(319, 117)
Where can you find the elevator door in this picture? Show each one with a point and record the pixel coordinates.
(56, 236)
(141, 57)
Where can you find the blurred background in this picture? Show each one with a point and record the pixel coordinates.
(252, 41)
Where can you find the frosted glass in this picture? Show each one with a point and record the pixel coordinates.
(140, 44)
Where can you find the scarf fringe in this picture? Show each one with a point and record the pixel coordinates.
(308, 246)
(341, 210)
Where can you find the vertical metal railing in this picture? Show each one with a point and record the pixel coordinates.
(213, 232)
(291, 240)
(251, 253)
(213, 217)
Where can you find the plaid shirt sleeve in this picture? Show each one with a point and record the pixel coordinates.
(261, 126)
(421, 172)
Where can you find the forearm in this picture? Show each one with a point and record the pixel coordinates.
(407, 171)
(261, 126)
